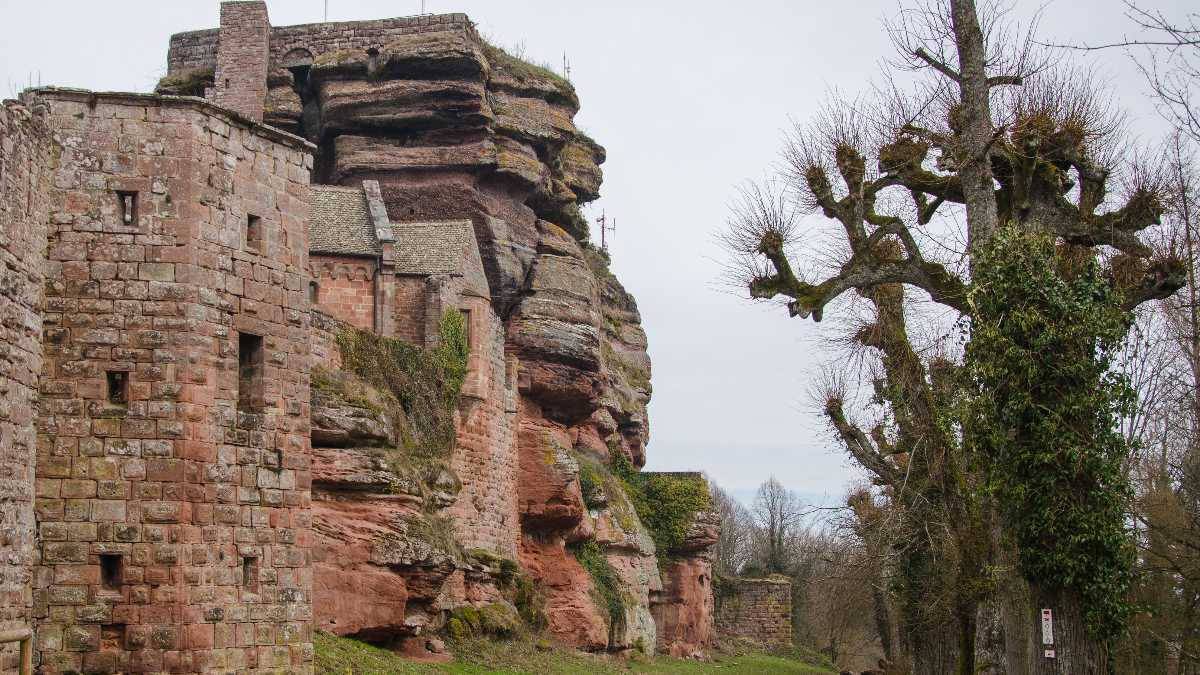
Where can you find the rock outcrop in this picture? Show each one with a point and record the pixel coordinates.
(453, 128)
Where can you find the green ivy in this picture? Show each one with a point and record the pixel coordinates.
(666, 503)
(1042, 418)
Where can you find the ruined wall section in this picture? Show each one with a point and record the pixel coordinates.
(755, 609)
(485, 456)
(25, 154)
(173, 450)
(198, 49)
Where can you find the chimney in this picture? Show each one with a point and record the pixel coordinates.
(243, 52)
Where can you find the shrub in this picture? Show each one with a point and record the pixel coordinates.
(426, 383)
(666, 503)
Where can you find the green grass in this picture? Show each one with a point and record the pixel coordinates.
(342, 656)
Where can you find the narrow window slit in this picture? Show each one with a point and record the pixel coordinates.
(128, 202)
(250, 392)
(254, 233)
(118, 387)
(110, 571)
(250, 572)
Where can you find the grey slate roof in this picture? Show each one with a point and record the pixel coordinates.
(431, 248)
(340, 223)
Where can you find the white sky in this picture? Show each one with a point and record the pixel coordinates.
(690, 99)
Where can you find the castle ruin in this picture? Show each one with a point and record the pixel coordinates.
(195, 475)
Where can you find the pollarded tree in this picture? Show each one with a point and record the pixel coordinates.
(1004, 145)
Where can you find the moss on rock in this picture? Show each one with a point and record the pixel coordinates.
(190, 82)
(666, 503)
(425, 383)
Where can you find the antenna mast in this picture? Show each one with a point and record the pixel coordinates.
(326, 11)
(605, 228)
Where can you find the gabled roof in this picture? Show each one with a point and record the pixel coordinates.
(340, 223)
(431, 248)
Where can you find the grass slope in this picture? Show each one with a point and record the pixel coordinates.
(343, 656)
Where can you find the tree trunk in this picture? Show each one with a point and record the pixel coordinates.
(934, 650)
(1075, 651)
(975, 136)
(1015, 608)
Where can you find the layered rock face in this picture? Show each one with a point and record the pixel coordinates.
(453, 128)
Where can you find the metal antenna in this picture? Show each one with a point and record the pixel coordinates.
(326, 11)
(566, 67)
(605, 228)
(422, 7)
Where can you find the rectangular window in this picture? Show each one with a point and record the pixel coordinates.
(127, 203)
(118, 387)
(250, 373)
(466, 317)
(250, 572)
(254, 239)
(110, 571)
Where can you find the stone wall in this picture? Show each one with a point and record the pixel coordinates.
(25, 154)
(345, 288)
(755, 609)
(485, 459)
(173, 449)
(407, 299)
(240, 82)
(198, 49)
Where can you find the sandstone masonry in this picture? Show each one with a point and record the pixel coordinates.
(25, 158)
(173, 464)
(755, 609)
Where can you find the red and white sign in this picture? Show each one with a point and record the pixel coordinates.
(1048, 631)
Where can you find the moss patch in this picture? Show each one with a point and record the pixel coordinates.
(496, 620)
(666, 503)
(191, 82)
(437, 531)
(529, 73)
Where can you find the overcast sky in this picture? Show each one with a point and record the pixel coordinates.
(690, 99)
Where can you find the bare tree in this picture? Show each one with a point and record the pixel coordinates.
(996, 136)
(736, 541)
(779, 516)
(1167, 51)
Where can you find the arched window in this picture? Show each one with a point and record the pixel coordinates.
(314, 292)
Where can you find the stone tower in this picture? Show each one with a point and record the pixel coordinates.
(173, 444)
